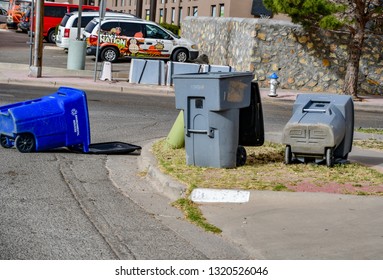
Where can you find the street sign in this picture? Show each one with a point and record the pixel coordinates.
(102, 9)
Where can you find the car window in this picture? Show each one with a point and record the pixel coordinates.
(109, 25)
(65, 19)
(131, 29)
(90, 26)
(54, 11)
(154, 32)
(84, 21)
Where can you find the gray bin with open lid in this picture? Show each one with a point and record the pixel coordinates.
(211, 103)
(321, 127)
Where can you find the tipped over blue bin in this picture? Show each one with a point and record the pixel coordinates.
(57, 120)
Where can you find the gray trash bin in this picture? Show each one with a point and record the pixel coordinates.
(321, 128)
(211, 103)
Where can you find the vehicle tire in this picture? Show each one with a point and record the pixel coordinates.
(288, 155)
(329, 157)
(25, 143)
(241, 156)
(109, 54)
(51, 38)
(4, 142)
(180, 55)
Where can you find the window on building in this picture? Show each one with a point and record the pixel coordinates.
(147, 14)
(195, 11)
(221, 10)
(115, 3)
(173, 15)
(179, 16)
(161, 15)
(213, 11)
(188, 11)
(122, 3)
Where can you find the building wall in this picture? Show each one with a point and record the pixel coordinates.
(232, 8)
(307, 61)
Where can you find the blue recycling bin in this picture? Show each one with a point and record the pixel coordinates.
(57, 120)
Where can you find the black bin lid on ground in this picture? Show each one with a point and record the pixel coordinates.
(109, 148)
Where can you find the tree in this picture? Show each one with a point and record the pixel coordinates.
(353, 16)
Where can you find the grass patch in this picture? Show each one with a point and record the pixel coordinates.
(370, 130)
(373, 144)
(194, 214)
(264, 170)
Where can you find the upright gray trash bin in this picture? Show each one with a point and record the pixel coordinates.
(211, 103)
(322, 127)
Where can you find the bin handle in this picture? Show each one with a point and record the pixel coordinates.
(209, 132)
(315, 110)
(197, 131)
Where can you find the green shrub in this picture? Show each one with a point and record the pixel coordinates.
(173, 28)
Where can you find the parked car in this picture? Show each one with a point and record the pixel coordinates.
(136, 38)
(3, 15)
(67, 29)
(53, 14)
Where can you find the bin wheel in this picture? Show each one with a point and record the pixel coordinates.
(329, 157)
(25, 143)
(4, 142)
(288, 155)
(241, 156)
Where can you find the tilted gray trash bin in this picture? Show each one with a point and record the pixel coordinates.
(322, 127)
(211, 103)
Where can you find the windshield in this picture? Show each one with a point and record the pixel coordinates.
(156, 32)
(171, 33)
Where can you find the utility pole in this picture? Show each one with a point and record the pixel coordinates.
(36, 68)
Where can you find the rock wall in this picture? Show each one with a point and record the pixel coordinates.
(307, 61)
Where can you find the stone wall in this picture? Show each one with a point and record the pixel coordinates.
(307, 61)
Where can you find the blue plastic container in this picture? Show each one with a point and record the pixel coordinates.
(57, 120)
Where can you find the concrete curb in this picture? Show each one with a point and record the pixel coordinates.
(162, 183)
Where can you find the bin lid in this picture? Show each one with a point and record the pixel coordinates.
(212, 75)
(108, 148)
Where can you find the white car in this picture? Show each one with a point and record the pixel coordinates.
(136, 38)
(67, 29)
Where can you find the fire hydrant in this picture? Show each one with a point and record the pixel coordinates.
(274, 83)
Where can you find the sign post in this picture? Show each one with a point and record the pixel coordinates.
(102, 15)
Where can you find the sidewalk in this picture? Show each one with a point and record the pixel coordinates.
(272, 225)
